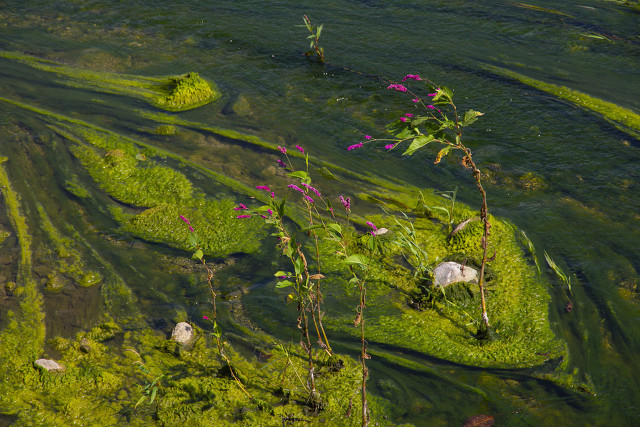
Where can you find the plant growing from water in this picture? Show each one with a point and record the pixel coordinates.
(322, 223)
(314, 36)
(440, 122)
(198, 254)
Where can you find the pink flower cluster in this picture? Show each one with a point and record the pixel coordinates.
(346, 202)
(312, 189)
(411, 77)
(370, 224)
(399, 88)
(354, 146)
(241, 207)
(182, 217)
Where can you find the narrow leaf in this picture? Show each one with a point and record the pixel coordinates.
(357, 259)
(418, 143)
(470, 117)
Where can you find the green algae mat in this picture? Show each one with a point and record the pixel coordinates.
(140, 190)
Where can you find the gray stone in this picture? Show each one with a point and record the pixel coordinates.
(450, 272)
(182, 333)
(49, 365)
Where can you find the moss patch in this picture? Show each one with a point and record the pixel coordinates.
(629, 120)
(176, 93)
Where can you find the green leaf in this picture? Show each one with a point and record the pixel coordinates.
(193, 240)
(447, 124)
(298, 266)
(282, 273)
(470, 117)
(153, 395)
(285, 284)
(335, 227)
(357, 259)
(401, 130)
(139, 401)
(319, 30)
(418, 143)
(419, 120)
(198, 254)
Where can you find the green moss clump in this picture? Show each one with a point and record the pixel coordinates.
(165, 130)
(130, 181)
(219, 232)
(104, 332)
(176, 93)
(188, 91)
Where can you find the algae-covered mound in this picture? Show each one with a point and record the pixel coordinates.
(173, 93)
(517, 297)
(189, 90)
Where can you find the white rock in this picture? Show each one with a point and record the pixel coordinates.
(49, 365)
(182, 333)
(450, 272)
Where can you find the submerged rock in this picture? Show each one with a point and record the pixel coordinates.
(182, 333)
(49, 365)
(450, 272)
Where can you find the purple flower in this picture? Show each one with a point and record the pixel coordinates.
(354, 146)
(184, 219)
(243, 216)
(312, 189)
(431, 106)
(370, 224)
(399, 88)
(282, 277)
(270, 212)
(241, 207)
(300, 149)
(205, 318)
(295, 187)
(403, 119)
(191, 229)
(273, 195)
(282, 164)
(390, 146)
(416, 100)
(367, 137)
(411, 76)
(346, 202)
(282, 150)
(331, 210)
(408, 115)
(432, 94)
(309, 199)
(263, 187)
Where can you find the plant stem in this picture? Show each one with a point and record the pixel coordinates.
(216, 334)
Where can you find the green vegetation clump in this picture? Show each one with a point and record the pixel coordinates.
(175, 93)
(188, 90)
(215, 223)
(135, 182)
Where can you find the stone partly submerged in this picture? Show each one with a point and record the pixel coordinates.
(450, 272)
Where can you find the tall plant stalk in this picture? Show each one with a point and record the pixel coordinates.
(217, 332)
(433, 125)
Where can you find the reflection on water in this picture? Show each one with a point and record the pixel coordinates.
(583, 209)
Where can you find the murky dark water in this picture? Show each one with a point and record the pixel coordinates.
(586, 215)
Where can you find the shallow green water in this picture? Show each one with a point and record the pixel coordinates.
(586, 216)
